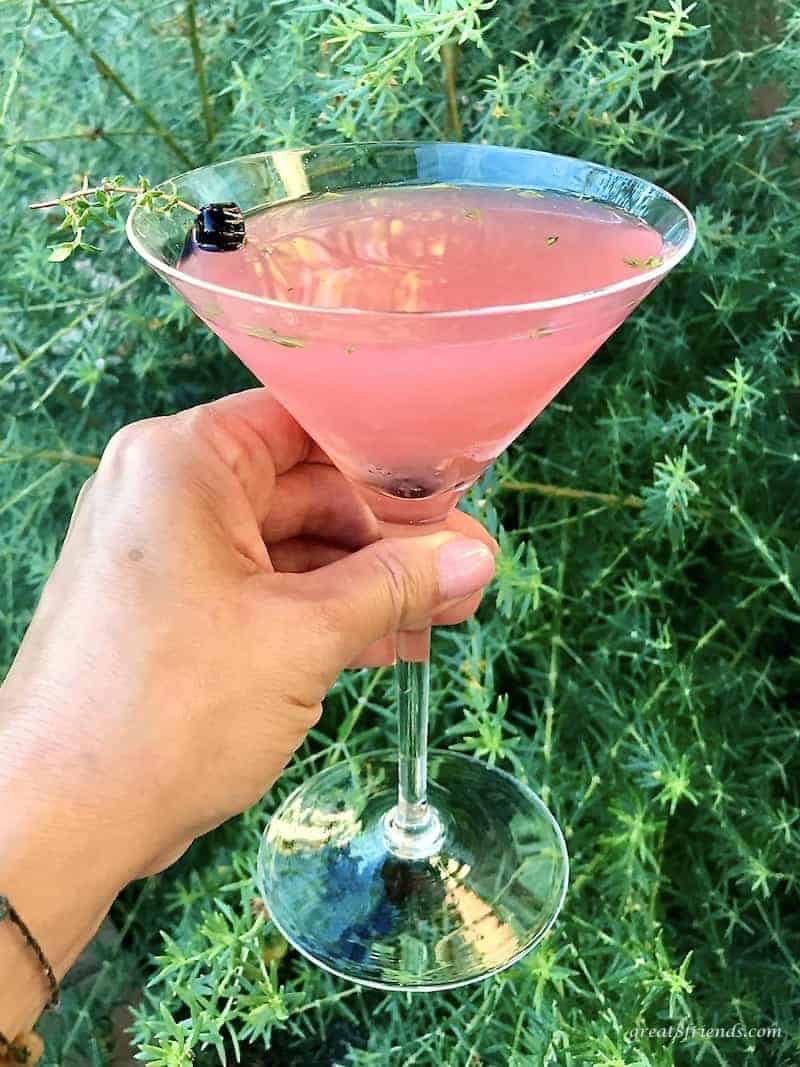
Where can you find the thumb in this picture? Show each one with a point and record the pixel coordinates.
(394, 584)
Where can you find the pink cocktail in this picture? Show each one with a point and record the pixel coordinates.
(414, 409)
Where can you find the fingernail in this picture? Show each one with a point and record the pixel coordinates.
(465, 566)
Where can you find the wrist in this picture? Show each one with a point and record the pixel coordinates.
(60, 875)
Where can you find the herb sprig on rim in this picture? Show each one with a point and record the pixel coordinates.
(97, 205)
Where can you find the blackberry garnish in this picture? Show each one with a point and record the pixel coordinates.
(218, 228)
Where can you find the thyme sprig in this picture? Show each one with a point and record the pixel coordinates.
(97, 204)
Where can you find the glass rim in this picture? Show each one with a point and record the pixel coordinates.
(650, 275)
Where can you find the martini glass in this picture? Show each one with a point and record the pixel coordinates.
(416, 871)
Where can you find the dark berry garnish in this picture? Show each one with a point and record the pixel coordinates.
(218, 228)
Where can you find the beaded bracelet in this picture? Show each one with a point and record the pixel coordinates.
(8, 911)
(27, 1048)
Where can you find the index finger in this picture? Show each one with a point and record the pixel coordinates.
(255, 438)
(257, 412)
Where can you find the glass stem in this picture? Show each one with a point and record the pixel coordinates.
(413, 694)
(412, 829)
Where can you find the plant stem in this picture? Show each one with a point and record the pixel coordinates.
(200, 70)
(568, 492)
(16, 66)
(350, 722)
(31, 487)
(554, 666)
(45, 346)
(53, 456)
(104, 187)
(450, 56)
(105, 71)
(95, 134)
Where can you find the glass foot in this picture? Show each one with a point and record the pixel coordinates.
(483, 898)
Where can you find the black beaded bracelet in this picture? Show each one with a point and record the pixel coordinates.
(17, 1052)
(8, 911)
(12, 1053)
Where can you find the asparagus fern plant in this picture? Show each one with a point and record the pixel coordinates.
(637, 661)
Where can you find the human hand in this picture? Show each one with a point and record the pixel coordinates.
(217, 575)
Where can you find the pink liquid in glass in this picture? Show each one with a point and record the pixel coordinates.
(414, 406)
